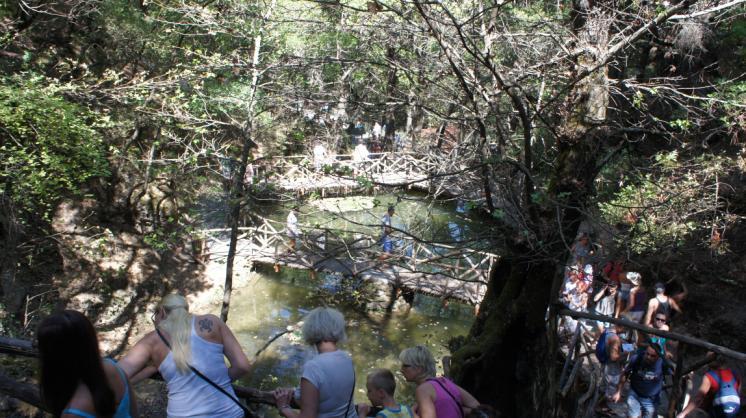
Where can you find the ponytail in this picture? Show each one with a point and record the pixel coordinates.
(178, 324)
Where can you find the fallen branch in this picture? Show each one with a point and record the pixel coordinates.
(25, 392)
(30, 394)
(271, 340)
(17, 347)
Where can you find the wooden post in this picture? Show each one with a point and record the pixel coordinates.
(673, 400)
(570, 353)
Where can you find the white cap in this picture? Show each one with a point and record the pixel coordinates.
(634, 277)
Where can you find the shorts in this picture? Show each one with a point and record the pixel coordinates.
(612, 374)
(635, 316)
(388, 245)
(638, 406)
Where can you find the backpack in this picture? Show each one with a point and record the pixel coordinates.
(601, 353)
(726, 401)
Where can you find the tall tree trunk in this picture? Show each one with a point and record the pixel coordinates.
(237, 199)
(237, 183)
(514, 336)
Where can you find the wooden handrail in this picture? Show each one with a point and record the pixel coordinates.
(727, 352)
(17, 347)
(29, 393)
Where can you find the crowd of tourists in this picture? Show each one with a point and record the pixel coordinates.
(609, 288)
(189, 352)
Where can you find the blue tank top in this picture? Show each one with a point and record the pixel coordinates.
(646, 379)
(188, 394)
(123, 410)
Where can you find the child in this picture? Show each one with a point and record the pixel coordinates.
(381, 386)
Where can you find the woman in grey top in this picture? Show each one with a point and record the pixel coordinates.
(328, 380)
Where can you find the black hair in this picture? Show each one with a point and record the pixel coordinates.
(69, 355)
(656, 346)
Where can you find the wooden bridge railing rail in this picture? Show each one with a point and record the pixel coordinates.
(681, 370)
(30, 393)
(269, 237)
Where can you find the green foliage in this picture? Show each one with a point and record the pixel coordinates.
(364, 182)
(733, 96)
(664, 207)
(48, 148)
(681, 124)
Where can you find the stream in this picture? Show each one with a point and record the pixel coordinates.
(267, 303)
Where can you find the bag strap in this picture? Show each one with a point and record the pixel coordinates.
(207, 379)
(458, 404)
(352, 392)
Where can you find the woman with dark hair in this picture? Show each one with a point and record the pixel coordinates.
(75, 381)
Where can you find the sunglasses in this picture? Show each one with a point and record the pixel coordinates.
(154, 316)
(661, 319)
(406, 366)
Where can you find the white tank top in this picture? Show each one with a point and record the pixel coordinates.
(188, 394)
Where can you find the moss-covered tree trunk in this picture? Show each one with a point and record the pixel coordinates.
(512, 352)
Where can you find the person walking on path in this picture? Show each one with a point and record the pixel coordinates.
(645, 372)
(625, 286)
(718, 394)
(359, 155)
(319, 156)
(605, 301)
(292, 229)
(660, 322)
(387, 243)
(610, 353)
(582, 248)
(660, 303)
(635, 308)
(188, 350)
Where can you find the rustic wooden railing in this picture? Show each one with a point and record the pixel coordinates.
(580, 352)
(29, 393)
(301, 174)
(267, 239)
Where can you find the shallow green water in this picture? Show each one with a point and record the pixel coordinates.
(273, 301)
(417, 215)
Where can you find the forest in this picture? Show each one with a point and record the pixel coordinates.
(128, 127)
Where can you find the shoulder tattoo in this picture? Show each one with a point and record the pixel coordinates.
(205, 324)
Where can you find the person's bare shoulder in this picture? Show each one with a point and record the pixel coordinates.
(208, 326)
(114, 378)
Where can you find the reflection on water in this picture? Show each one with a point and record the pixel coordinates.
(274, 301)
(417, 215)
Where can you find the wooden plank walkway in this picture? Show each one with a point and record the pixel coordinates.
(340, 174)
(381, 271)
(438, 270)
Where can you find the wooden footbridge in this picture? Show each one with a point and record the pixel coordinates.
(436, 269)
(342, 173)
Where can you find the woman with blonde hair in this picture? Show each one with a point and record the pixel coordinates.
(188, 350)
(436, 397)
